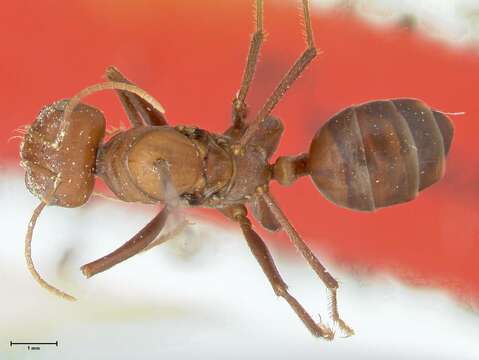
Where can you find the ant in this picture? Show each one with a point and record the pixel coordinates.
(368, 156)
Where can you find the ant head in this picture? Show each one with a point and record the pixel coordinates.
(59, 154)
(62, 174)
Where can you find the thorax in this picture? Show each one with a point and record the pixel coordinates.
(203, 168)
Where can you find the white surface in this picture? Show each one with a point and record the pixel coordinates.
(454, 21)
(201, 297)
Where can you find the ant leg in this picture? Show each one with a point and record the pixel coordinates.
(111, 85)
(146, 236)
(163, 237)
(132, 247)
(312, 260)
(239, 105)
(298, 67)
(263, 214)
(113, 74)
(139, 112)
(263, 256)
(169, 235)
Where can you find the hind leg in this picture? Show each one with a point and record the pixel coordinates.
(280, 288)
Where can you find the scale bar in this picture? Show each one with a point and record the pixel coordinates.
(33, 343)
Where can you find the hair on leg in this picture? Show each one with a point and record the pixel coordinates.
(293, 73)
(263, 256)
(239, 106)
(312, 260)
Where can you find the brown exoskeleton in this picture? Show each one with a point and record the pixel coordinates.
(369, 156)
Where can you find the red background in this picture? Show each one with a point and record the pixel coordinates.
(190, 55)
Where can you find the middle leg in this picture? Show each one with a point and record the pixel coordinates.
(239, 110)
(298, 67)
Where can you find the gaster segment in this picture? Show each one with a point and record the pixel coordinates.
(380, 153)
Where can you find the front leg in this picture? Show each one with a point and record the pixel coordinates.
(178, 229)
(146, 237)
(136, 244)
(139, 112)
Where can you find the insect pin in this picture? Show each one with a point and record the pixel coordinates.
(368, 156)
